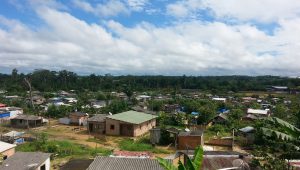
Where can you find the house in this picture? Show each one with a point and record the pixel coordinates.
(190, 140)
(143, 98)
(37, 100)
(7, 149)
(2, 105)
(130, 123)
(27, 121)
(78, 118)
(221, 118)
(171, 108)
(279, 89)
(96, 124)
(115, 163)
(27, 161)
(70, 100)
(97, 104)
(219, 99)
(7, 113)
(258, 113)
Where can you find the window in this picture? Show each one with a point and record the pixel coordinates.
(112, 127)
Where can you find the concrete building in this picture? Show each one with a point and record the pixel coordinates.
(7, 149)
(27, 161)
(130, 123)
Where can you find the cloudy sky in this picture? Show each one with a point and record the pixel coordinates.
(150, 37)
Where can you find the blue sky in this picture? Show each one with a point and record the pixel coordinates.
(166, 37)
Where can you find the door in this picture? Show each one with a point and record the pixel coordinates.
(91, 126)
(126, 130)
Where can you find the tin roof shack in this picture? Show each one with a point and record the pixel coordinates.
(96, 124)
(247, 135)
(78, 118)
(113, 163)
(190, 140)
(27, 161)
(130, 123)
(7, 149)
(26, 121)
(254, 114)
(13, 137)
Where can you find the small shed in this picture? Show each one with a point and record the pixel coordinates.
(190, 140)
(155, 134)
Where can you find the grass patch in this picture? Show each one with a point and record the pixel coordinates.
(62, 148)
(142, 144)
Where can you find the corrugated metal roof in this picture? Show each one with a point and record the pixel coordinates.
(132, 117)
(5, 146)
(98, 118)
(113, 163)
(191, 133)
(257, 111)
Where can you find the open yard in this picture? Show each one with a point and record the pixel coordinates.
(77, 140)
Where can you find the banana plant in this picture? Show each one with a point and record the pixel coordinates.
(191, 164)
(286, 131)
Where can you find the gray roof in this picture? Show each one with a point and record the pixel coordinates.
(98, 118)
(28, 117)
(25, 161)
(191, 133)
(247, 129)
(132, 117)
(113, 163)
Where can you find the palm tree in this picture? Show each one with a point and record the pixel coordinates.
(191, 164)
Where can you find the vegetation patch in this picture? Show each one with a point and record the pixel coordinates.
(62, 148)
(140, 145)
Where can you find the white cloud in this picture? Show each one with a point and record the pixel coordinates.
(67, 42)
(137, 5)
(110, 8)
(185, 8)
(244, 10)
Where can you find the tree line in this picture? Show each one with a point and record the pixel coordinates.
(47, 80)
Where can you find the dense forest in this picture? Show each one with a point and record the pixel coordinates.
(46, 80)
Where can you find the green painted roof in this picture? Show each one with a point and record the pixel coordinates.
(132, 117)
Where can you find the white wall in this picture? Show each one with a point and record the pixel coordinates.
(47, 163)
